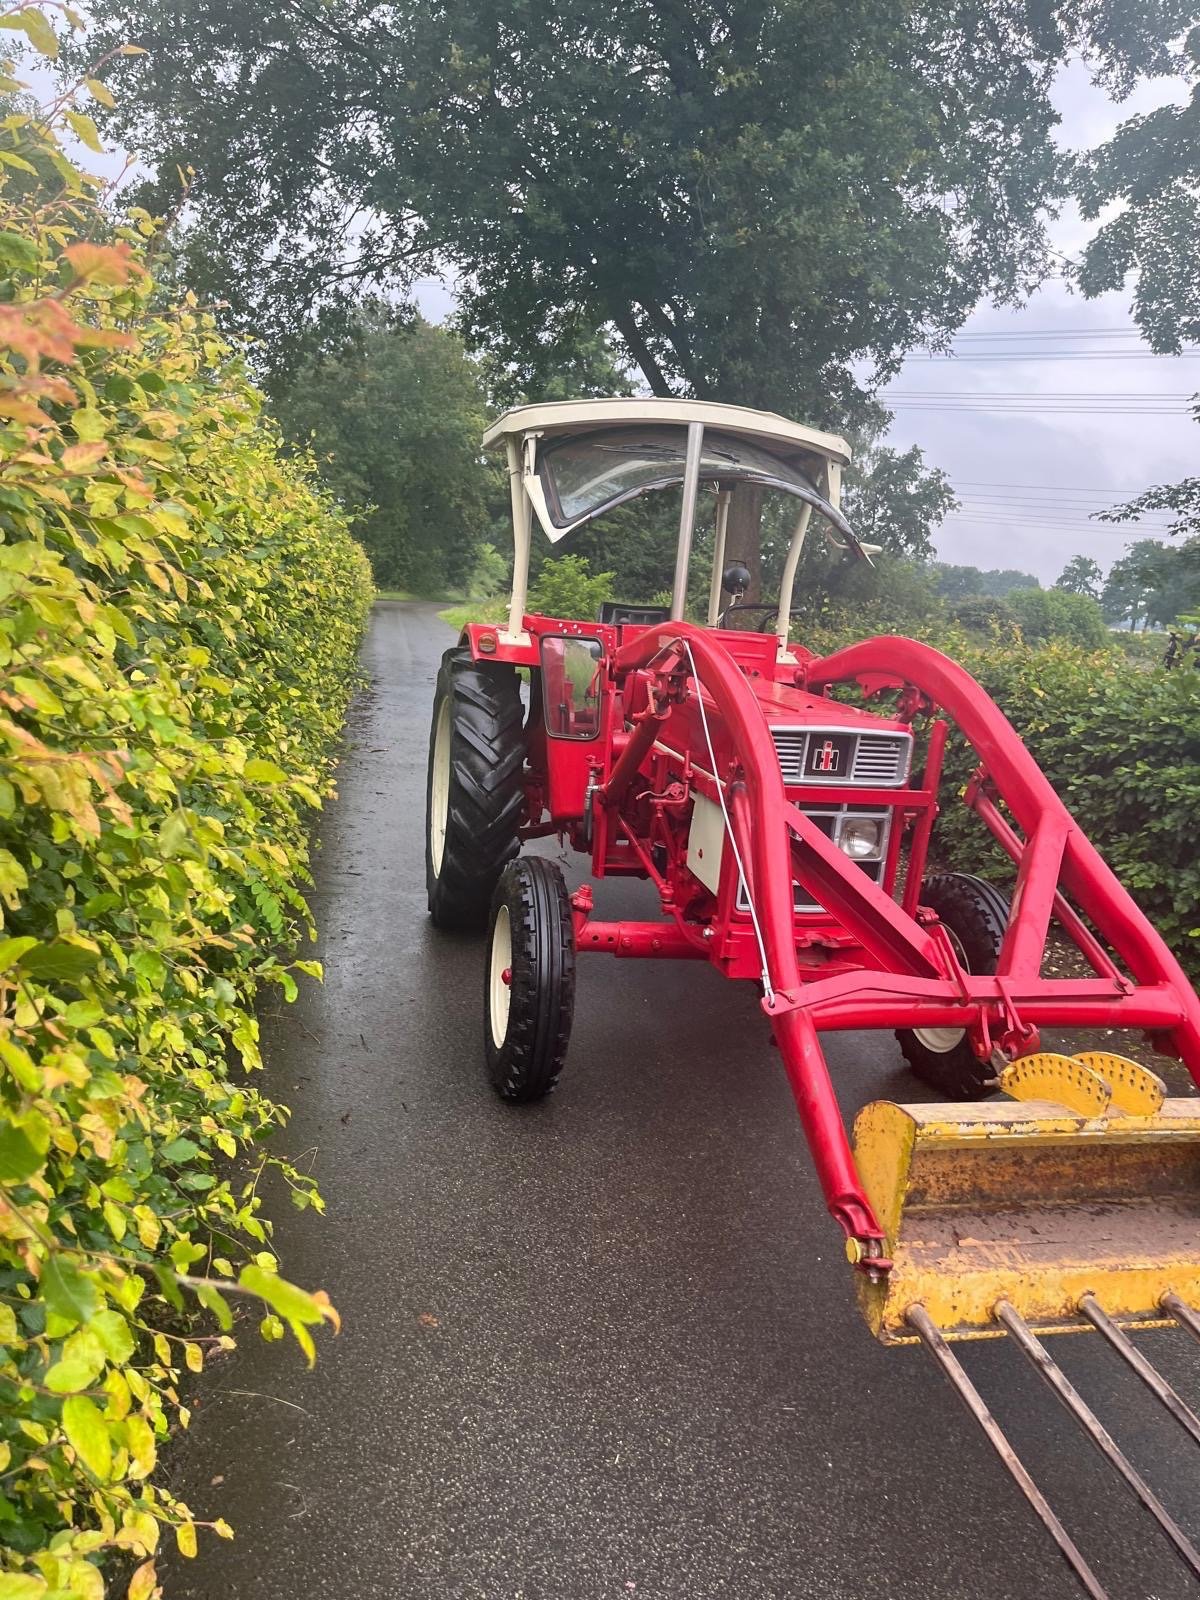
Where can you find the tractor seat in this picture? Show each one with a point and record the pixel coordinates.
(618, 611)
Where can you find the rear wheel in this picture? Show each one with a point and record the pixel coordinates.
(975, 916)
(529, 980)
(474, 793)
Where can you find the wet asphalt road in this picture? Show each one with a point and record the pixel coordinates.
(605, 1348)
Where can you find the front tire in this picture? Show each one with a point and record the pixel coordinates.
(474, 795)
(975, 916)
(529, 980)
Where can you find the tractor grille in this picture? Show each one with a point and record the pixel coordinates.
(880, 759)
(836, 755)
(789, 747)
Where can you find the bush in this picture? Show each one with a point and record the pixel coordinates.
(565, 588)
(1119, 740)
(1045, 614)
(491, 573)
(984, 613)
(1122, 747)
(179, 614)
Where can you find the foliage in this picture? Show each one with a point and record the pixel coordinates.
(179, 612)
(566, 587)
(1122, 747)
(1146, 180)
(1153, 583)
(892, 595)
(490, 573)
(395, 417)
(1181, 499)
(1081, 575)
(983, 613)
(1045, 614)
(958, 583)
(893, 500)
(749, 196)
(1119, 740)
(1151, 169)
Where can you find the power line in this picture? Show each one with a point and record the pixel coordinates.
(1039, 394)
(1054, 355)
(1065, 488)
(1060, 410)
(1127, 331)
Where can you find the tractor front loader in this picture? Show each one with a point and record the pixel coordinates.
(786, 831)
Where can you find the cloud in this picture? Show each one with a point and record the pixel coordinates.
(1060, 373)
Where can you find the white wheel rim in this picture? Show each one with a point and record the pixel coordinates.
(500, 977)
(942, 1040)
(439, 788)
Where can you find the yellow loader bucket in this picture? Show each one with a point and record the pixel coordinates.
(1036, 1204)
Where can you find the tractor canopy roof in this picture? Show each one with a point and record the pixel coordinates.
(579, 458)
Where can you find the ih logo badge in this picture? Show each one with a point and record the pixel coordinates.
(828, 757)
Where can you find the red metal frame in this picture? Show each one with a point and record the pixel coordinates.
(863, 960)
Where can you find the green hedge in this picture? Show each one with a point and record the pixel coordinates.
(1122, 747)
(179, 614)
(1120, 741)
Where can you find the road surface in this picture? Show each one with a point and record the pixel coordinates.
(603, 1348)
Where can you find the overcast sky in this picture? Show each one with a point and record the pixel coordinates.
(1028, 479)
(1030, 473)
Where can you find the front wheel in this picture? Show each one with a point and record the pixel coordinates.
(975, 915)
(529, 980)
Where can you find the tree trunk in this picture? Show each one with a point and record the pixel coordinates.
(744, 534)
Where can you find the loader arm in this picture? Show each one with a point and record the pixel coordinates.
(1055, 855)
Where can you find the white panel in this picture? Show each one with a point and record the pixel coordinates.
(706, 842)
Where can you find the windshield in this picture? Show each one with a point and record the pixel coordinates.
(591, 472)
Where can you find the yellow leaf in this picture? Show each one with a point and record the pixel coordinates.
(100, 92)
(144, 1583)
(86, 130)
(185, 1538)
(36, 28)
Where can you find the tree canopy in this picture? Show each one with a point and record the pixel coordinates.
(1081, 575)
(395, 418)
(749, 196)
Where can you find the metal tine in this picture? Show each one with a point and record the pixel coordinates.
(1183, 1314)
(1044, 1363)
(1128, 1351)
(953, 1368)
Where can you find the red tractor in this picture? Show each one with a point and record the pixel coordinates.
(785, 833)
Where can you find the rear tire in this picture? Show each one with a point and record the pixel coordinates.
(975, 916)
(474, 794)
(529, 980)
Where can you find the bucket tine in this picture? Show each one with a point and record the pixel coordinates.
(1128, 1351)
(1049, 1369)
(933, 1341)
(1183, 1314)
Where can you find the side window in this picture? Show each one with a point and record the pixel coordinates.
(571, 687)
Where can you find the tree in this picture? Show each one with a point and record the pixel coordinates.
(892, 499)
(962, 582)
(1139, 587)
(395, 418)
(1081, 575)
(750, 197)
(1149, 172)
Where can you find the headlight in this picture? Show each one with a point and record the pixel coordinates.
(859, 837)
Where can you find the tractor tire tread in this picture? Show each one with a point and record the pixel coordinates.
(486, 799)
(527, 1065)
